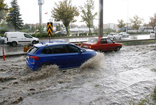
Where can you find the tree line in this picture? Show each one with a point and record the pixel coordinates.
(137, 21)
(63, 11)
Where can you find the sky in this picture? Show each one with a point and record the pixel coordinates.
(114, 10)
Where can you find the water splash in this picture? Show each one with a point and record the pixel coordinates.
(45, 72)
(93, 63)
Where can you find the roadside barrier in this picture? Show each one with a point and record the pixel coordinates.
(3, 54)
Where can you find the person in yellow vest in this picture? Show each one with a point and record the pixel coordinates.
(26, 48)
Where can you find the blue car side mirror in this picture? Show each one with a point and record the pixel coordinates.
(82, 50)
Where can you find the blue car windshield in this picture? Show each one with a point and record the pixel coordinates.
(93, 40)
(32, 50)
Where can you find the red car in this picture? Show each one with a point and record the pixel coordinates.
(102, 44)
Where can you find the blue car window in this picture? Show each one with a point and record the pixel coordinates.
(46, 50)
(58, 49)
(54, 49)
(32, 50)
(72, 49)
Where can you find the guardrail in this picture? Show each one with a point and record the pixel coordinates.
(118, 41)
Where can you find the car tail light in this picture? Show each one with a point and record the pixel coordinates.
(34, 57)
(7, 38)
(90, 47)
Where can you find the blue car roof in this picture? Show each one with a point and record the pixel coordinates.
(52, 41)
(43, 44)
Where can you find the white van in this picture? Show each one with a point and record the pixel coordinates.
(14, 38)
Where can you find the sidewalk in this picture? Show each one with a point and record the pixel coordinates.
(11, 51)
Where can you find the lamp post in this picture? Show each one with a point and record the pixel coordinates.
(101, 18)
(40, 2)
(127, 15)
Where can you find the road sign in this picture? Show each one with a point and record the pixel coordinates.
(50, 28)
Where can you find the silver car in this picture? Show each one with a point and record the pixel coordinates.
(124, 34)
(152, 34)
(1, 40)
(114, 36)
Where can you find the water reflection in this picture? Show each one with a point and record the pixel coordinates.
(138, 37)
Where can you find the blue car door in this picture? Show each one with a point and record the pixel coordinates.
(75, 57)
(55, 55)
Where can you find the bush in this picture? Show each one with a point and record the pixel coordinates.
(2, 31)
(154, 95)
(133, 33)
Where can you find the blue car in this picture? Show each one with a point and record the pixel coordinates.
(63, 54)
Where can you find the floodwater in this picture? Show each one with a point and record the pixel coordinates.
(111, 78)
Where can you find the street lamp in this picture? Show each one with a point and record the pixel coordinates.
(127, 15)
(40, 2)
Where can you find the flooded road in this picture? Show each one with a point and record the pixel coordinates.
(111, 78)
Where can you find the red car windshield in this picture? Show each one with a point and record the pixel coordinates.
(93, 40)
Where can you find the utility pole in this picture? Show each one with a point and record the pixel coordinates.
(40, 2)
(101, 18)
(127, 15)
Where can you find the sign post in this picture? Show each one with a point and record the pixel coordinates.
(49, 29)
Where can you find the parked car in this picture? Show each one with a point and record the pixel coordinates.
(124, 34)
(14, 38)
(114, 36)
(59, 33)
(152, 34)
(63, 54)
(101, 44)
(1, 40)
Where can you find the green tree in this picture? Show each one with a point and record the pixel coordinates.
(65, 12)
(14, 16)
(32, 28)
(136, 22)
(3, 10)
(121, 23)
(26, 28)
(40, 28)
(87, 14)
(152, 22)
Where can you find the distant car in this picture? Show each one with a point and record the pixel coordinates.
(102, 44)
(63, 54)
(152, 34)
(114, 36)
(1, 40)
(59, 33)
(124, 34)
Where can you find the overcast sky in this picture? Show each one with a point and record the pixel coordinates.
(113, 10)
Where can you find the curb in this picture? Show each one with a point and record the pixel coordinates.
(10, 55)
